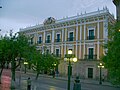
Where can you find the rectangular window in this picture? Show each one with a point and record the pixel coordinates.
(57, 52)
(90, 56)
(91, 34)
(71, 36)
(58, 38)
(40, 40)
(90, 72)
(48, 39)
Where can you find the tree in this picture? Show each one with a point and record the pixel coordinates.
(5, 54)
(12, 47)
(112, 57)
(43, 62)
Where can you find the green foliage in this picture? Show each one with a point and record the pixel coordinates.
(44, 61)
(112, 58)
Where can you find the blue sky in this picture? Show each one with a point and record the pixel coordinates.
(16, 14)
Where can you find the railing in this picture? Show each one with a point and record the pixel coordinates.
(39, 42)
(87, 57)
(70, 39)
(48, 41)
(90, 37)
(58, 55)
(57, 40)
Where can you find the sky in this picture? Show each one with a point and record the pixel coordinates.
(16, 14)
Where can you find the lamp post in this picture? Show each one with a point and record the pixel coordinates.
(70, 57)
(25, 63)
(100, 66)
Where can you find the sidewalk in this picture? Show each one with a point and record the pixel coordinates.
(22, 86)
(5, 83)
(87, 81)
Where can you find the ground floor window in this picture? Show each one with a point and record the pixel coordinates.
(90, 72)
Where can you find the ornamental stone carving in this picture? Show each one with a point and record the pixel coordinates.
(49, 20)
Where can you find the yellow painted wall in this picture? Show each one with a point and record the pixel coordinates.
(82, 32)
(101, 30)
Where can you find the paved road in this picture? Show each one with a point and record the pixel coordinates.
(49, 83)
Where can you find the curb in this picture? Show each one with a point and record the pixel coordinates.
(72, 79)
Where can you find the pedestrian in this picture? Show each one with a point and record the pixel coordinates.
(29, 84)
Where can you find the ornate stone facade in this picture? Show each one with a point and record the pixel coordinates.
(84, 34)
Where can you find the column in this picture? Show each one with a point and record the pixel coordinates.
(76, 39)
(98, 40)
(84, 39)
(53, 35)
(64, 48)
(65, 41)
(63, 35)
(80, 41)
(52, 40)
(44, 37)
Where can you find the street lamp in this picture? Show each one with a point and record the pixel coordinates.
(100, 66)
(70, 58)
(25, 63)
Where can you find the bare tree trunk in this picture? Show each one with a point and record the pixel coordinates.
(37, 75)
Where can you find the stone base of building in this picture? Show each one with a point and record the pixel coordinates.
(83, 68)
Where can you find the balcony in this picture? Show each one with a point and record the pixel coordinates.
(70, 39)
(90, 57)
(90, 37)
(39, 42)
(57, 40)
(48, 41)
(58, 55)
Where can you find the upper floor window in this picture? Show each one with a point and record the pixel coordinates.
(71, 36)
(90, 51)
(91, 54)
(57, 38)
(91, 34)
(48, 39)
(57, 52)
(40, 40)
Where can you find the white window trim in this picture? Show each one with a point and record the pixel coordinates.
(69, 33)
(48, 35)
(57, 48)
(40, 36)
(93, 50)
(58, 33)
(93, 28)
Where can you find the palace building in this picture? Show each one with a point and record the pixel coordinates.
(84, 34)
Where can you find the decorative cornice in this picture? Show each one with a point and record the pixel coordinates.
(72, 20)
